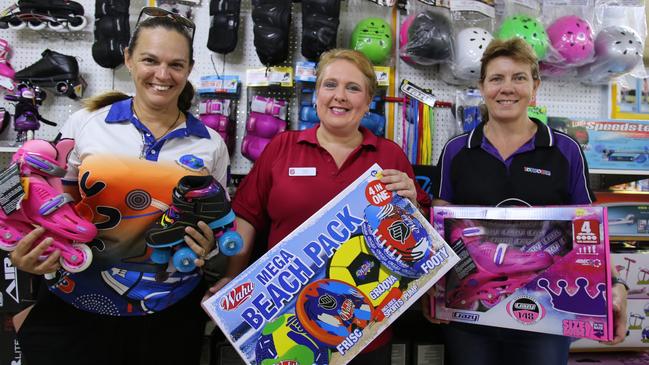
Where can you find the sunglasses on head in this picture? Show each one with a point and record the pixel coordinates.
(154, 12)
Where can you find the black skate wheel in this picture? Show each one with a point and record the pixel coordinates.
(36, 25)
(17, 24)
(54, 25)
(77, 22)
(62, 87)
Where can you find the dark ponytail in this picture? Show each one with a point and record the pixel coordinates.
(185, 98)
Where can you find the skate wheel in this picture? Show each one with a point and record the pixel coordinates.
(17, 25)
(36, 25)
(230, 243)
(77, 22)
(160, 256)
(8, 241)
(62, 87)
(54, 25)
(490, 303)
(86, 253)
(184, 259)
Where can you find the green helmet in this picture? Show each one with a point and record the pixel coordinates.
(530, 29)
(373, 38)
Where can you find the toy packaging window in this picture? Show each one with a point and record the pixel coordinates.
(536, 269)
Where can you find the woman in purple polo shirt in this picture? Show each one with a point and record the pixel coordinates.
(511, 159)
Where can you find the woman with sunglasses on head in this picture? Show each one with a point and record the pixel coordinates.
(129, 154)
(272, 201)
(512, 159)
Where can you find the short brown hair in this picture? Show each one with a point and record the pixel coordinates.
(514, 48)
(358, 59)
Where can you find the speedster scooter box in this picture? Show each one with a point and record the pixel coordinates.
(335, 283)
(536, 269)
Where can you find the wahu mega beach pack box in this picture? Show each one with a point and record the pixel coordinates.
(336, 282)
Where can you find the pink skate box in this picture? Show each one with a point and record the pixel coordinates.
(534, 269)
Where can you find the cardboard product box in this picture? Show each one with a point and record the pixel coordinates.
(535, 269)
(17, 290)
(609, 358)
(335, 283)
(628, 214)
(638, 327)
(10, 353)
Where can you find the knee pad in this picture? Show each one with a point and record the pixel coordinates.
(271, 106)
(319, 34)
(264, 125)
(108, 53)
(308, 114)
(253, 146)
(215, 106)
(375, 123)
(272, 20)
(320, 20)
(223, 34)
(111, 7)
(112, 27)
(217, 122)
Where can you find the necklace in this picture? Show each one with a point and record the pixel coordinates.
(168, 129)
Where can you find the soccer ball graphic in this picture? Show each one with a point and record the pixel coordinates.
(284, 340)
(355, 264)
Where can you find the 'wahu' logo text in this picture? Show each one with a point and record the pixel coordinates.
(580, 301)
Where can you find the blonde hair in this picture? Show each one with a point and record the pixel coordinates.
(358, 59)
(516, 49)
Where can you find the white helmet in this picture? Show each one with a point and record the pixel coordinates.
(471, 43)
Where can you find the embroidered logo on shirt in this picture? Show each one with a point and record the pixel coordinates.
(533, 170)
(191, 162)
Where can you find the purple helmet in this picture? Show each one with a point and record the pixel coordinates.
(572, 37)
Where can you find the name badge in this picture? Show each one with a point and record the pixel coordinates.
(301, 171)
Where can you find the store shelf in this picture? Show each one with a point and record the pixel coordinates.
(5, 147)
(629, 238)
(618, 172)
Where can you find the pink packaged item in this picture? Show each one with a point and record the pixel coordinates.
(535, 269)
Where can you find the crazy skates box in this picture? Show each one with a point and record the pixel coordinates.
(336, 282)
(637, 326)
(536, 269)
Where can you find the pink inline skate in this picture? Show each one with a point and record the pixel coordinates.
(7, 72)
(500, 269)
(42, 164)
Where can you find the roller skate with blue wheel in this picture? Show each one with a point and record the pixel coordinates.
(195, 198)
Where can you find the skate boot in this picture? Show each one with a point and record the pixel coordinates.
(42, 164)
(38, 14)
(500, 270)
(55, 70)
(7, 72)
(26, 116)
(271, 106)
(196, 198)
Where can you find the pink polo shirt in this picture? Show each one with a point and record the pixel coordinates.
(270, 199)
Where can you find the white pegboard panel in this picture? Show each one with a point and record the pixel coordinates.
(561, 99)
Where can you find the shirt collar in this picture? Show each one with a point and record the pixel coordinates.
(309, 136)
(122, 111)
(542, 138)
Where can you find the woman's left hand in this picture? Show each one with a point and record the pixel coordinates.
(201, 242)
(400, 183)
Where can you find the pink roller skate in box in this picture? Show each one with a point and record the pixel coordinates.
(499, 270)
(42, 164)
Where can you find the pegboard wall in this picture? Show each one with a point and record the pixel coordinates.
(561, 99)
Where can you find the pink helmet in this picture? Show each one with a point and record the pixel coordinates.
(572, 37)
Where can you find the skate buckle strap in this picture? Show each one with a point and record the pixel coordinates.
(499, 255)
(55, 203)
(43, 165)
